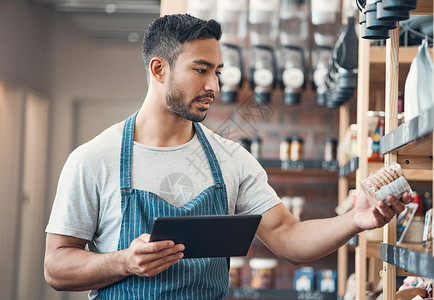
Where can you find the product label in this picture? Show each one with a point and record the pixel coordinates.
(375, 146)
(230, 75)
(293, 78)
(263, 77)
(319, 76)
(395, 188)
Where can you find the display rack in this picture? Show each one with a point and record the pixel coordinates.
(271, 294)
(303, 167)
(381, 72)
(393, 152)
(410, 260)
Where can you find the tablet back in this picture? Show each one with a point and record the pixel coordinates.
(208, 236)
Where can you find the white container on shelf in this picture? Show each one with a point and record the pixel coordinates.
(263, 272)
(236, 265)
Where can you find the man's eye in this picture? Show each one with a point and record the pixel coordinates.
(201, 70)
(218, 73)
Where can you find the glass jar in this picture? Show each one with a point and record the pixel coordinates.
(263, 272)
(285, 149)
(296, 148)
(236, 264)
(330, 149)
(374, 151)
(388, 180)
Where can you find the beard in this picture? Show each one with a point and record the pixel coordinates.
(175, 100)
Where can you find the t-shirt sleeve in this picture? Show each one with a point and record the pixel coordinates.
(255, 195)
(75, 207)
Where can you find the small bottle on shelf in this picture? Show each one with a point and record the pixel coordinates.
(374, 151)
(296, 148)
(285, 149)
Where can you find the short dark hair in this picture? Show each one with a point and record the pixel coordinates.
(165, 36)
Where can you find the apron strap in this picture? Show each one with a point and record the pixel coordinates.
(212, 159)
(127, 152)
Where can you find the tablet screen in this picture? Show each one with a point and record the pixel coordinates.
(208, 236)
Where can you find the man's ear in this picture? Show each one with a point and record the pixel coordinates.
(157, 67)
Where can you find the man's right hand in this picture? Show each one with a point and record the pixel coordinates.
(68, 266)
(147, 259)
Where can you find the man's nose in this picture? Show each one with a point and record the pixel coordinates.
(212, 84)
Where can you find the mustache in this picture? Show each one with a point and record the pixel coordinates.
(207, 95)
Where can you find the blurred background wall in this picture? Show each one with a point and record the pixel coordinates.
(58, 89)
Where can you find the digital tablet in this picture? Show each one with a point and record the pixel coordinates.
(208, 236)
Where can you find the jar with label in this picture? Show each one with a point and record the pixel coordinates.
(296, 148)
(285, 149)
(374, 151)
(236, 264)
(388, 180)
(263, 272)
(330, 149)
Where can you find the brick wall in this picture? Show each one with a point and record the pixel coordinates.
(274, 121)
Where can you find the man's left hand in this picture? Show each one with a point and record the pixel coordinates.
(370, 217)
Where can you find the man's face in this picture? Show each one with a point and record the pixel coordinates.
(193, 80)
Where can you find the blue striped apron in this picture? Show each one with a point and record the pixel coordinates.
(195, 278)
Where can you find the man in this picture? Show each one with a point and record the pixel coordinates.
(112, 187)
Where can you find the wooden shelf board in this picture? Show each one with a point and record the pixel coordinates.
(414, 137)
(306, 172)
(305, 168)
(424, 7)
(419, 147)
(406, 54)
(418, 175)
(409, 259)
(415, 162)
(416, 168)
(422, 175)
(373, 249)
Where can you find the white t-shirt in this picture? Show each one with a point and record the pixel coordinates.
(88, 200)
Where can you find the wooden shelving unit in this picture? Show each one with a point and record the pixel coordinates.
(382, 72)
(416, 149)
(373, 249)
